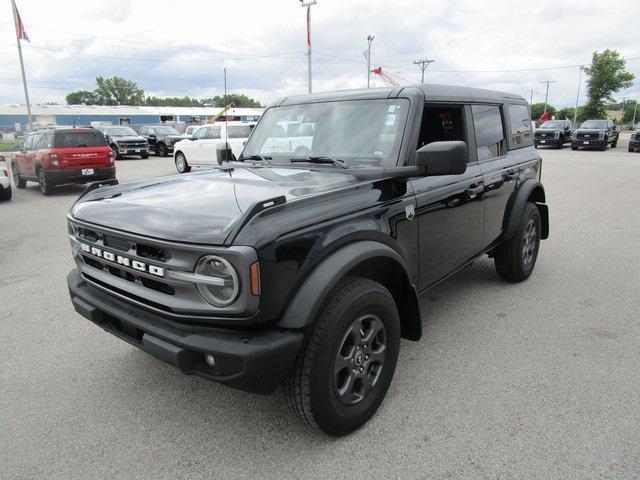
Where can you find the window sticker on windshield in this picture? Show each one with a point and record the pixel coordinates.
(378, 153)
(392, 108)
(391, 119)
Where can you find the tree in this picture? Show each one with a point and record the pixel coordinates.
(81, 97)
(537, 109)
(605, 76)
(118, 91)
(238, 99)
(566, 112)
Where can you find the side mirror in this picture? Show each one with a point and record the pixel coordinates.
(193, 137)
(443, 158)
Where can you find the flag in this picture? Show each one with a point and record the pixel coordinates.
(20, 31)
(309, 25)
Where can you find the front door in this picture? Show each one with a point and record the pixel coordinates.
(449, 209)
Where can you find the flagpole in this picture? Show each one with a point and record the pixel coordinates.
(24, 77)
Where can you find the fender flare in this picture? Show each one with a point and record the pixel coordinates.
(530, 189)
(304, 307)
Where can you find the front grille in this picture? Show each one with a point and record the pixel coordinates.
(116, 243)
(544, 135)
(132, 145)
(587, 136)
(152, 253)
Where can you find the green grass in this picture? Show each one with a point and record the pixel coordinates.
(7, 147)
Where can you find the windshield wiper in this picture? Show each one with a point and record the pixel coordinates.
(258, 158)
(320, 159)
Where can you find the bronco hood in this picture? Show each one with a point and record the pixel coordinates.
(202, 207)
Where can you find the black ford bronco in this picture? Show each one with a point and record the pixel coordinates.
(307, 269)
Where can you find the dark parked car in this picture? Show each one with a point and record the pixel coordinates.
(306, 270)
(634, 140)
(553, 133)
(124, 140)
(161, 138)
(595, 133)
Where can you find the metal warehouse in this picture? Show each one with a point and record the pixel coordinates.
(14, 117)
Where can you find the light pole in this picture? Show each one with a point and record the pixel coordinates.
(369, 40)
(575, 112)
(546, 97)
(424, 63)
(308, 5)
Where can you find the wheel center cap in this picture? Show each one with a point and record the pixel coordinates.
(359, 358)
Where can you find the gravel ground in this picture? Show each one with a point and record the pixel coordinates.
(535, 380)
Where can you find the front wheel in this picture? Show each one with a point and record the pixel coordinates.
(345, 366)
(631, 149)
(614, 144)
(516, 257)
(181, 163)
(17, 180)
(162, 150)
(144, 156)
(605, 145)
(574, 147)
(5, 193)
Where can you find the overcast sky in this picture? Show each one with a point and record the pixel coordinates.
(173, 48)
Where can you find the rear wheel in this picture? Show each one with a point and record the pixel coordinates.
(345, 366)
(631, 148)
(614, 144)
(604, 145)
(516, 257)
(17, 180)
(574, 147)
(181, 163)
(45, 185)
(5, 193)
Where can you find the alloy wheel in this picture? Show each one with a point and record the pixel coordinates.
(360, 359)
(529, 242)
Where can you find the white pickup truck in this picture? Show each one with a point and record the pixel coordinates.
(201, 150)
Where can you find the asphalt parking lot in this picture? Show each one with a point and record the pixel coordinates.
(534, 380)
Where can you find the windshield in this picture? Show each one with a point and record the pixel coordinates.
(166, 131)
(553, 124)
(120, 132)
(359, 132)
(79, 138)
(594, 124)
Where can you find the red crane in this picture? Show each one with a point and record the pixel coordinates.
(385, 77)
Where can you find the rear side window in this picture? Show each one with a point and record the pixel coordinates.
(520, 122)
(28, 143)
(45, 141)
(79, 138)
(238, 131)
(487, 122)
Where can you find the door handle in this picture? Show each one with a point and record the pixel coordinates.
(473, 192)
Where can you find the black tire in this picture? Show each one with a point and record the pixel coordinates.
(181, 163)
(18, 181)
(631, 150)
(604, 145)
(6, 193)
(162, 150)
(516, 258)
(144, 156)
(614, 144)
(43, 182)
(336, 353)
(574, 148)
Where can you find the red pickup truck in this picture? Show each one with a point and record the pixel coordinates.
(62, 156)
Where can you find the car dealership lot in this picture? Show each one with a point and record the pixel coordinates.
(534, 380)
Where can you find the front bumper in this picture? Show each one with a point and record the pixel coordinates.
(553, 142)
(588, 143)
(132, 151)
(60, 177)
(634, 144)
(251, 361)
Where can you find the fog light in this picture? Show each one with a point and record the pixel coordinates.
(210, 360)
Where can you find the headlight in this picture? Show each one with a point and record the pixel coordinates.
(168, 141)
(556, 134)
(220, 284)
(601, 135)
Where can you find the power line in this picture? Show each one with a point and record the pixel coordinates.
(424, 63)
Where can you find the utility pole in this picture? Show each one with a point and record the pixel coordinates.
(369, 40)
(308, 5)
(424, 63)
(575, 112)
(635, 109)
(531, 92)
(22, 35)
(546, 97)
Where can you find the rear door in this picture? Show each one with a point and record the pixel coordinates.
(207, 151)
(501, 164)
(81, 148)
(31, 154)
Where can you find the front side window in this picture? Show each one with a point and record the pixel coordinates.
(238, 131)
(359, 132)
(487, 122)
(520, 121)
(120, 132)
(28, 143)
(166, 131)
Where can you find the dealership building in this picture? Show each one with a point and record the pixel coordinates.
(14, 117)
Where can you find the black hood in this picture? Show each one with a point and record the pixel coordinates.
(128, 138)
(591, 130)
(202, 207)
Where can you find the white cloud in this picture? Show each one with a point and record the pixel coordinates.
(172, 48)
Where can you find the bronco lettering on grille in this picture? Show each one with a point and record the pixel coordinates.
(120, 260)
